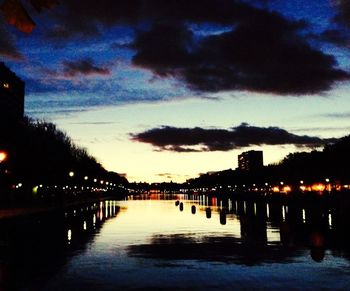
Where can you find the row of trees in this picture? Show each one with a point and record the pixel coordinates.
(39, 153)
(332, 163)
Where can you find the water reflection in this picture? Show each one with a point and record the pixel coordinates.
(36, 247)
(208, 212)
(225, 249)
(223, 217)
(193, 209)
(179, 241)
(309, 226)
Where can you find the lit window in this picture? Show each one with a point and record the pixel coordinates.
(6, 85)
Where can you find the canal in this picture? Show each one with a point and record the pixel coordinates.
(178, 242)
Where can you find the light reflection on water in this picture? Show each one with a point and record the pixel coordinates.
(200, 242)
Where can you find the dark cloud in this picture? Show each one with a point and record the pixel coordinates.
(343, 12)
(258, 3)
(76, 18)
(337, 36)
(167, 138)
(262, 53)
(165, 49)
(7, 44)
(70, 76)
(84, 67)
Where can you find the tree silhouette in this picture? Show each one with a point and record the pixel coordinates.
(41, 153)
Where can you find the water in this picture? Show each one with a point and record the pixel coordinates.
(148, 242)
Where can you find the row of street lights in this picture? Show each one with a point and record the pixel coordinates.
(86, 178)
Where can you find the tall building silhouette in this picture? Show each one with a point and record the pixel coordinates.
(250, 161)
(11, 95)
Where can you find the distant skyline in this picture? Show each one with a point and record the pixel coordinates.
(166, 90)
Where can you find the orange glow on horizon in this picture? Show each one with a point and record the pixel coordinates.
(318, 187)
(276, 189)
(287, 189)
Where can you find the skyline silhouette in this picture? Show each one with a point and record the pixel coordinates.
(189, 85)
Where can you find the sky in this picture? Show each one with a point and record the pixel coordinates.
(167, 90)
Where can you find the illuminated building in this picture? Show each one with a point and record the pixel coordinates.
(11, 95)
(250, 161)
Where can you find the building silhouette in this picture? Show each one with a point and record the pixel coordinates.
(11, 96)
(250, 160)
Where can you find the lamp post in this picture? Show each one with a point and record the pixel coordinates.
(3, 158)
(328, 185)
(4, 178)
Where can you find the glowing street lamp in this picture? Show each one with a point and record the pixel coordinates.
(71, 174)
(3, 156)
(328, 185)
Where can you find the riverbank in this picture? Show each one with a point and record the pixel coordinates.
(32, 209)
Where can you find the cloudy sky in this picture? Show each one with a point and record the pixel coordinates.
(165, 90)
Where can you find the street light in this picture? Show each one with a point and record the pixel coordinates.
(3, 156)
(71, 174)
(328, 185)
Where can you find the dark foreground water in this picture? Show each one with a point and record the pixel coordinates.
(204, 243)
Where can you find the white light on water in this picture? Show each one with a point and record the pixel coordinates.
(229, 205)
(69, 235)
(254, 208)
